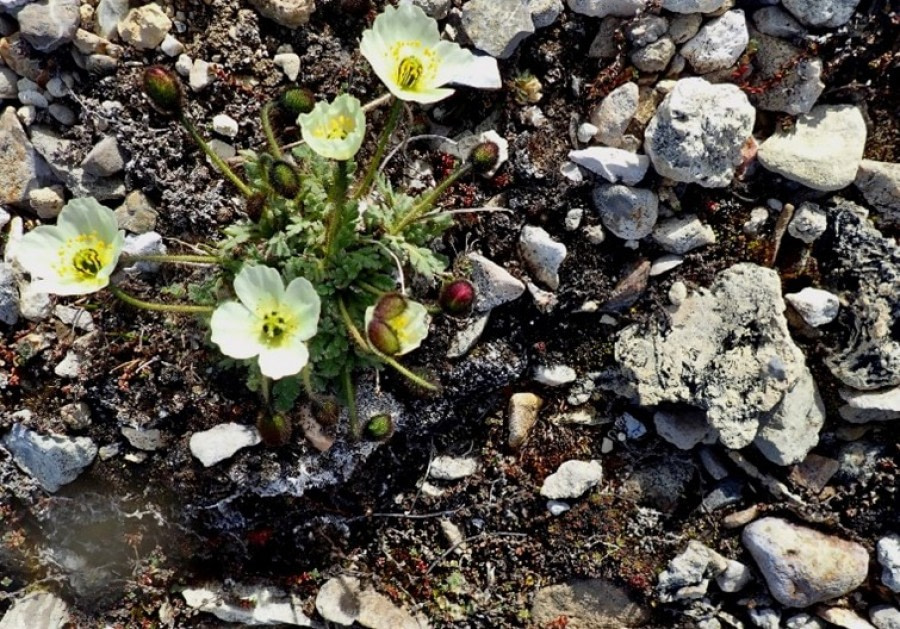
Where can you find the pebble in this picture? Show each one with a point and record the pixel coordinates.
(289, 63)
(572, 479)
(868, 406)
(646, 30)
(665, 263)
(809, 222)
(683, 27)
(221, 442)
(77, 318)
(614, 114)
(693, 6)
(677, 293)
(718, 44)
(587, 604)
(822, 13)
(653, 57)
(797, 90)
(613, 164)
(586, 132)
(684, 429)
(758, 218)
(765, 618)
(8, 83)
(595, 234)
(379, 612)
(804, 621)
(271, 606)
(822, 150)
(698, 131)
(146, 439)
(63, 114)
(735, 578)
(9, 294)
(888, 548)
(49, 24)
(76, 416)
(438, 9)
(554, 375)
(523, 412)
(149, 243)
(225, 125)
(494, 285)
(137, 213)
(775, 22)
(604, 44)
(200, 76)
(814, 472)
(843, 617)
(688, 575)
(497, 26)
(466, 338)
(338, 600)
(34, 305)
(629, 213)
(542, 254)
(69, 366)
(544, 12)
(557, 507)
(602, 8)
(879, 183)
(47, 202)
(452, 468)
(634, 428)
(802, 566)
(683, 234)
(105, 159)
(183, 65)
(170, 46)
(102, 64)
(52, 460)
(885, 617)
(33, 98)
(289, 13)
(145, 27)
(573, 219)
(817, 307)
(38, 609)
(108, 15)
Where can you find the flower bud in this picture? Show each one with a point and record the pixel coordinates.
(390, 305)
(274, 430)
(284, 179)
(296, 101)
(485, 157)
(457, 297)
(163, 89)
(380, 427)
(382, 337)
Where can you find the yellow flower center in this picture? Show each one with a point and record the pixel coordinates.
(276, 325)
(335, 128)
(409, 71)
(83, 257)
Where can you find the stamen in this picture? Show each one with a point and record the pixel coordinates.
(87, 262)
(274, 325)
(409, 72)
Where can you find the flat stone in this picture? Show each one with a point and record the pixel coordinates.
(799, 86)
(225, 125)
(107, 16)
(775, 22)
(145, 27)
(105, 159)
(822, 150)
(614, 165)
(40, 610)
(888, 548)
(146, 439)
(465, 339)
(22, 169)
(572, 479)
(271, 606)
(809, 223)
(48, 24)
(378, 612)
(685, 429)
(587, 604)
(688, 575)
(52, 460)
(338, 600)
(870, 406)
(693, 6)
(718, 44)
(614, 114)
(494, 285)
(76, 318)
(62, 157)
(802, 566)
(542, 254)
(814, 472)
(497, 26)
(602, 8)
(885, 617)
(222, 442)
(879, 183)
(683, 234)
(452, 468)
(523, 415)
(817, 307)
(698, 131)
(629, 213)
(665, 263)
(786, 435)
(289, 13)
(554, 375)
(822, 13)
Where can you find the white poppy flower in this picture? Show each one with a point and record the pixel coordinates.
(78, 254)
(407, 53)
(396, 325)
(270, 321)
(334, 130)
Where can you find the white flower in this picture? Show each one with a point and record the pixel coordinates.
(334, 130)
(78, 254)
(270, 321)
(396, 325)
(407, 53)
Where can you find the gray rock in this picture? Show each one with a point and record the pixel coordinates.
(687, 576)
(289, 13)
(602, 8)
(816, 306)
(735, 577)
(572, 479)
(693, 6)
(614, 165)
(629, 213)
(885, 617)
(544, 12)
(108, 15)
(39, 610)
(879, 183)
(697, 132)
(497, 26)
(870, 406)
(62, 157)
(34, 305)
(76, 416)
(379, 612)
(718, 44)
(683, 234)
(438, 9)
(866, 355)
(76, 318)
(452, 468)
(684, 429)
(466, 338)
(802, 566)
(554, 375)
(106, 158)
(21, 167)
(9, 294)
(646, 30)
(338, 600)
(145, 27)
(809, 223)
(588, 604)
(822, 13)
(799, 87)
(146, 244)
(774, 22)
(146, 439)
(604, 44)
(271, 606)
(684, 27)
(137, 214)
(665, 263)
(542, 254)
(614, 114)
(726, 350)
(54, 460)
(222, 442)
(48, 24)
(62, 114)
(804, 621)
(788, 434)
(8, 87)
(654, 57)
(543, 299)
(494, 285)
(822, 150)
(888, 548)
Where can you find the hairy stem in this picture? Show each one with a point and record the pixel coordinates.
(380, 148)
(430, 199)
(158, 307)
(337, 198)
(377, 102)
(351, 327)
(350, 394)
(174, 259)
(217, 161)
(271, 140)
(422, 382)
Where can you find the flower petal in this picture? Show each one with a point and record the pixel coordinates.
(301, 299)
(86, 216)
(407, 22)
(423, 96)
(286, 360)
(258, 287)
(411, 327)
(38, 250)
(453, 61)
(234, 330)
(61, 286)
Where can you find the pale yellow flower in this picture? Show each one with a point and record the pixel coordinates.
(396, 325)
(334, 130)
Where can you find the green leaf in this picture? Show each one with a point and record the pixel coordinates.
(285, 392)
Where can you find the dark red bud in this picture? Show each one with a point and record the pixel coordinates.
(163, 89)
(390, 305)
(485, 157)
(457, 297)
(382, 337)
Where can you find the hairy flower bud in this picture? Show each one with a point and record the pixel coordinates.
(296, 101)
(274, 430)
(163, 89)
(382, 337)
(284, 179)
(390, 305)
(485, 157)
(457, 297)
(380, 426)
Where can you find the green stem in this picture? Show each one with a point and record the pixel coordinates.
(172, 258)
(271, 140)
(407, 373)
(428, 202)
(217, 161)
(337, 198)
(351, 327)
(350, 394)
(157, 307)
(369, 288)
(265, 386)
(306, 378)
(380, 147)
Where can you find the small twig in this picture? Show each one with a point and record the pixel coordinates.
(787, 213)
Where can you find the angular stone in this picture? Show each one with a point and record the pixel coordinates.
(289, 13)
(822, 13)
(572, 479)
(614, 114)
(683, 234)
(52, 460)
(222, 442)
(799, 87)
(145, 27)
(879, 183)
(788, 434)
(22, 169)
(614, 165)
(48, 24)
(494, 285)
(629, 213)
(587, 604)
(718, 44)
(870, 406)
(106, 158)
(693, 6)
(602, 8)
(816, 306)
(497, 26)
(542, 254)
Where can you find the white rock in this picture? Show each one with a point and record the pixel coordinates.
(586, 131)
(629, 213)
(735, 577)
(718, 44)
(885, 617)
(665, 263)
(816, 306)
(758, 218)
(889, 557)
(465, 339)
(452, 468)
(289, 63)
(653, 57)
(861, 406)
(289, 13)
(542, 254)
(794, 91)
(822, 13)
(225, 125)
(683, 234)
(573, 219)
(791, 430)
(34, 305)
(572, 479)
(809, 223)
(822, 150)
(843, 617)
(37, 610)
(481, 73)
(145, 27)
(602, 8)
(221, 148)
(170, 46)
(557, 507)
(47, 202)
(271, 606)
(523, 412)
(614, 165)
(338, 600)
(879, 183)
(200, 75)
(8, 87)
(554, 375)
(677, 293)
(693, 6)
(614, 114)
(52, 460)
(571, 171)
(108, 15)
(222, 442)
(183, 65)
(494, 285)
(148, 243)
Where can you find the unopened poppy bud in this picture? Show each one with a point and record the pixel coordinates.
(380, 427)
(274, 430)
(296, 101)
(457, 297)
(382, 337)
(389, 306)
(284, 179)
(163, 89)
(485, 157)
